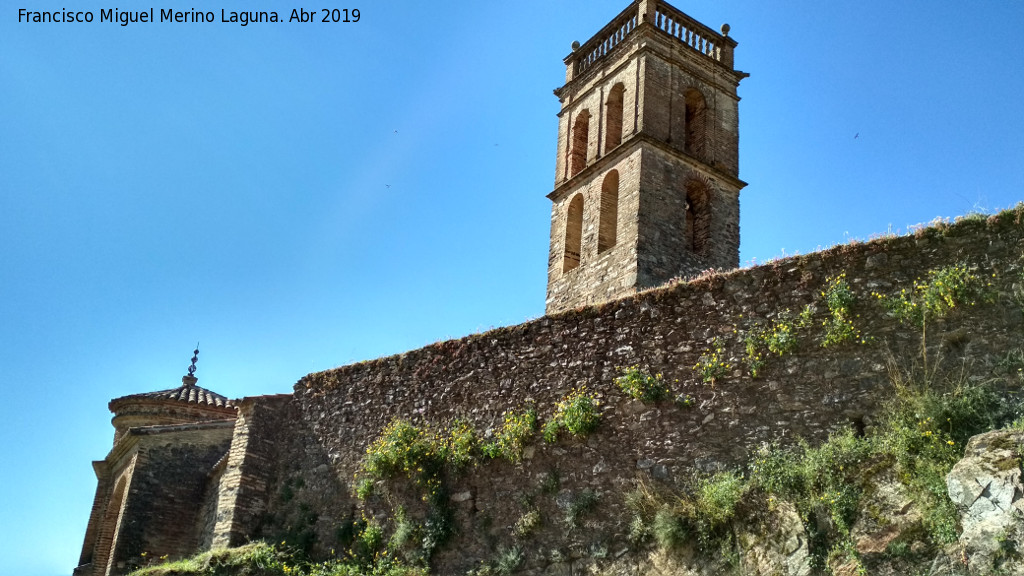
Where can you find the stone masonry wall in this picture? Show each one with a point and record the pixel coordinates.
(244, 485)
(600, 276)
(669, 72)
(171, 472)
(662, 252)
(806, 394)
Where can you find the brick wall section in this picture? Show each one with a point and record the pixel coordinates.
(669, 69)
(118, 468)
(806, 394)
(95, 518)
(243, 492)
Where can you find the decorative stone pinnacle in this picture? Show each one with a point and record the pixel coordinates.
(191, 379)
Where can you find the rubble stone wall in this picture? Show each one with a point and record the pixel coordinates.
(336, 414)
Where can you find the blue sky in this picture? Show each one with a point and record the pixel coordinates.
(297, 197)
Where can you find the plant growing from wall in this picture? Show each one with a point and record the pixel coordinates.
(942, 291)
(753, 355)
(461, 445)
(780, 337)
(527, 523)
(839, 299)
(713, 363)
(577, 412)
(703, 510)
(405, 449)
(510, 440)
(425, 457)
(939, 293)
(580, 504)
(639, 384)
(783, 337)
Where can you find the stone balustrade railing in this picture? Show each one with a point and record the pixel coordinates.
(688, 31)
(662, 16)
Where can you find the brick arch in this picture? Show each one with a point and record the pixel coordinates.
(580, 140)
(697, 129)
(573, 234)
(697, 234)
(613, 115)
(609, 216)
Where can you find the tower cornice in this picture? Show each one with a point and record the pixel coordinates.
(626, 148)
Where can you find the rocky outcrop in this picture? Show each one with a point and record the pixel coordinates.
(776, 545)
(986, 487)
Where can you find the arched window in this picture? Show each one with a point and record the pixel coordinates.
(580, 137)
(613, 131)
(696, 123)
(698, 217)
(606, 229)
(573, 234)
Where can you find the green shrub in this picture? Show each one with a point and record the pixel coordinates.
(581, 503)
(404, 449)
(461, 444)
(713, 363)
(753, 356)
(508, 561)
(669, 528)
(510, 440)
(783, 336)
(527, 523)
(641, 385)
(576, 412)
(941, 292)
(839, 299)
(714, 503)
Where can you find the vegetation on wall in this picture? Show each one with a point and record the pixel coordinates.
(641, 385)
(576, 412)
(840, 300)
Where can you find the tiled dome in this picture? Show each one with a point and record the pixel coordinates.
(189, 394)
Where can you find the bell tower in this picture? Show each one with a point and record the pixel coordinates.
(646, 174)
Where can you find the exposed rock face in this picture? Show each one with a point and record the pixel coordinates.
(776, 545)
(986, 487)
(895, 517)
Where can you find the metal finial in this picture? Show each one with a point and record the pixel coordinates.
(195, 358)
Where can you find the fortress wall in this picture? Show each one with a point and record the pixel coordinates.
(806, 394)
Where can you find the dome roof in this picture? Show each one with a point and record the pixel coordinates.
(187, 393)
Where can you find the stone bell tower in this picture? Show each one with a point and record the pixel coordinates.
(646, 185)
